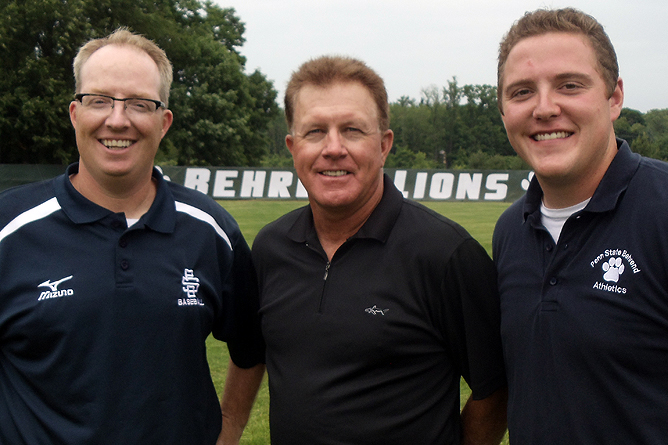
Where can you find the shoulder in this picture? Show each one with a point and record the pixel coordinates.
(18, 200)
(193, 198)
(513, 215)
(509, 224)
(416, 217)
(421, 232)
(282, 225)
(650, 182)
(659, 168)
(277, 237)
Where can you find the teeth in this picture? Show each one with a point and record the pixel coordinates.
(109, 143)
(335, 173)
(550, 136)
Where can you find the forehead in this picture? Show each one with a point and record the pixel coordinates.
(120, 64)
(551, 53)
(335, 100)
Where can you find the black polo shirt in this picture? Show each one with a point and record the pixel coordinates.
(103, 327)
(585, 321)
(369, 349)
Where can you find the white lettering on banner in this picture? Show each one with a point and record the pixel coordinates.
(492, 183)
(468, 185)
(284, 184)
(224, 185)
(278, 184)
(400, 182)
(301, 190)
(441, 185)
(252, 184)
(420, 185)
(198, 179)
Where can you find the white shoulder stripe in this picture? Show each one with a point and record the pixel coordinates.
(203, 216)
(36, 213)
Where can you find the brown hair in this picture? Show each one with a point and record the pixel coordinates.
(123, 37)
(567, 20)
(328, 70)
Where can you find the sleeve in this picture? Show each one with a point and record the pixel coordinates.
(246, 345)
(474, 319)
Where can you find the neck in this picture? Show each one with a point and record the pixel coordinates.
(117, 196)
(561, 197)
(335, 226)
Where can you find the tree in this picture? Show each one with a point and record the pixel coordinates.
(221, 113)
(453, 126)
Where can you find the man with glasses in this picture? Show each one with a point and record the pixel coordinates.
(113, 278)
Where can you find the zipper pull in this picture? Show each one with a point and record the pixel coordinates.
(326, 270)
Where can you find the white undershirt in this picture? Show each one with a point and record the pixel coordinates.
(131, 221)
(554, 219)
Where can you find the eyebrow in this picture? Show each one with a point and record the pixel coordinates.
(585, 78)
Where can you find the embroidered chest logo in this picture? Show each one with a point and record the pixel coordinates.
(53, 291)
(190, 286)
(375, 311)
(612, 264)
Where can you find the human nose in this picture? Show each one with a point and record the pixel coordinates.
(334, 145)
(118, 114)
(546, 107)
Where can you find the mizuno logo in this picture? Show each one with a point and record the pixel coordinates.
(54, 286)
(54, 292)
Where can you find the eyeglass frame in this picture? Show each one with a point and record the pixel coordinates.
(158, 103)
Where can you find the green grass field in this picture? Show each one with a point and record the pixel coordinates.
(477, 217)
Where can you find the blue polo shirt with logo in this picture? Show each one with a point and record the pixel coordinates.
(584, 323)
(103, 327)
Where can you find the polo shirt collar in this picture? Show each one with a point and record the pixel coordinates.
(161, 217)
(378, 226)
(616, 179)
(607, 194)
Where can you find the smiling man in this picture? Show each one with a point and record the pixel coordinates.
(113, 278)
(580, 258)
(373, 307)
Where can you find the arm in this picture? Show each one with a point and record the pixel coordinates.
(484, 421)
(241, 387)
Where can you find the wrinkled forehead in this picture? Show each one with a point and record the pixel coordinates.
(352, 98)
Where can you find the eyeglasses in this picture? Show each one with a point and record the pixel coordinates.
(135, 105)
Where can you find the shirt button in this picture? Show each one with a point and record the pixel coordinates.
(125, 264)
(123, 243)
(549, 247)
(553, 281)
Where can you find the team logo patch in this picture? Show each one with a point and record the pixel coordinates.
(613, 264)
(190, 286)
(53, 291)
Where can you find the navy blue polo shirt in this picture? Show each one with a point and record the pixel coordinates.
(370, 347)
(103, 327)
(585, 321)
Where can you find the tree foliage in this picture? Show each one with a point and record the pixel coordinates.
(220, 112)
(646, 133)
(454, 127)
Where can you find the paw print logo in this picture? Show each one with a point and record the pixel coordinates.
(613, 268)
(527, 181)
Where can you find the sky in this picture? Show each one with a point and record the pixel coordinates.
(420, 44)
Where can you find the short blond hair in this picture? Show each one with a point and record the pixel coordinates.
(123, 37)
